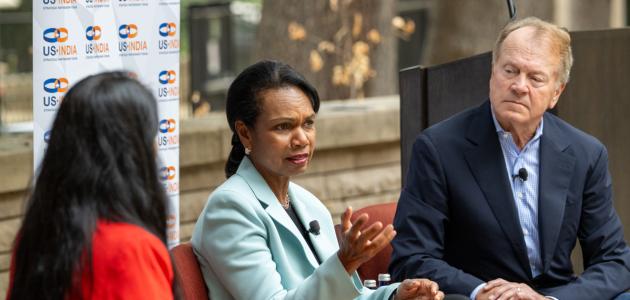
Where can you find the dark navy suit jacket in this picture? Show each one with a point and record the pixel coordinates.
(458, 225)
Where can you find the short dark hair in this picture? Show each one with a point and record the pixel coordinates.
(244, 99)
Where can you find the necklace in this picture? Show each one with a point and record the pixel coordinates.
(286, 203)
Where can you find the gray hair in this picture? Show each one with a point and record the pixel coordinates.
(558, 36)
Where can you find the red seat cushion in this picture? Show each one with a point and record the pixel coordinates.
(188, 274)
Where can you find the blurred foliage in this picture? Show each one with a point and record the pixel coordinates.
(346, 48)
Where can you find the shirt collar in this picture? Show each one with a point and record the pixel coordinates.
(500, 130)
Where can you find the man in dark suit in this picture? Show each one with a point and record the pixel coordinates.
(497, 196)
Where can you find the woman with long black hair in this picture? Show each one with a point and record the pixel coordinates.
(95, 222)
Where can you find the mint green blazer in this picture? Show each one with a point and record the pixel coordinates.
(249, 248)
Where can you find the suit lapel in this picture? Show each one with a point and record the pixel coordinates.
(271, 205)
(307, 213)
(556, 167)
(486, 161)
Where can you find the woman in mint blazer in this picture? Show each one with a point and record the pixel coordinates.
(261, 236)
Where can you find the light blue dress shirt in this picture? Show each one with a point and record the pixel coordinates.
(525, 192)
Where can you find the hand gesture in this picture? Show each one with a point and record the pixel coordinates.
(358, 245)
(421, 289)
(500, 289)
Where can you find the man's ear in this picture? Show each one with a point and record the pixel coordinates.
(243, 134)
(556, 95)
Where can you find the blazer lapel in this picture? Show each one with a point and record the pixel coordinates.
(487, 165)
(308, 213)
(556, 167)
(271, 205)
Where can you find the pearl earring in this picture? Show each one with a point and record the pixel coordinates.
(247, 151)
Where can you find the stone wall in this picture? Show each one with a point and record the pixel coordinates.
(356, 163)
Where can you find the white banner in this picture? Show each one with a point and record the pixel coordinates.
(76, 38)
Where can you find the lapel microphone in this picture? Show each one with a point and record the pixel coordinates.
(313, 227)
(522, 174)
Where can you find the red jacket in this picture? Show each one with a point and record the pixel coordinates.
(128, 263)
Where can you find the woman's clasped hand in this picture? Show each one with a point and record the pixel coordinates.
(418, 289)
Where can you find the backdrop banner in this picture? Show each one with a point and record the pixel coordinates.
(76, 38)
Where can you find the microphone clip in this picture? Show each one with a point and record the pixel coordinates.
(313, 227)
(522, 174)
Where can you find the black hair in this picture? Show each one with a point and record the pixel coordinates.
(100, 165)
(244, 103)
